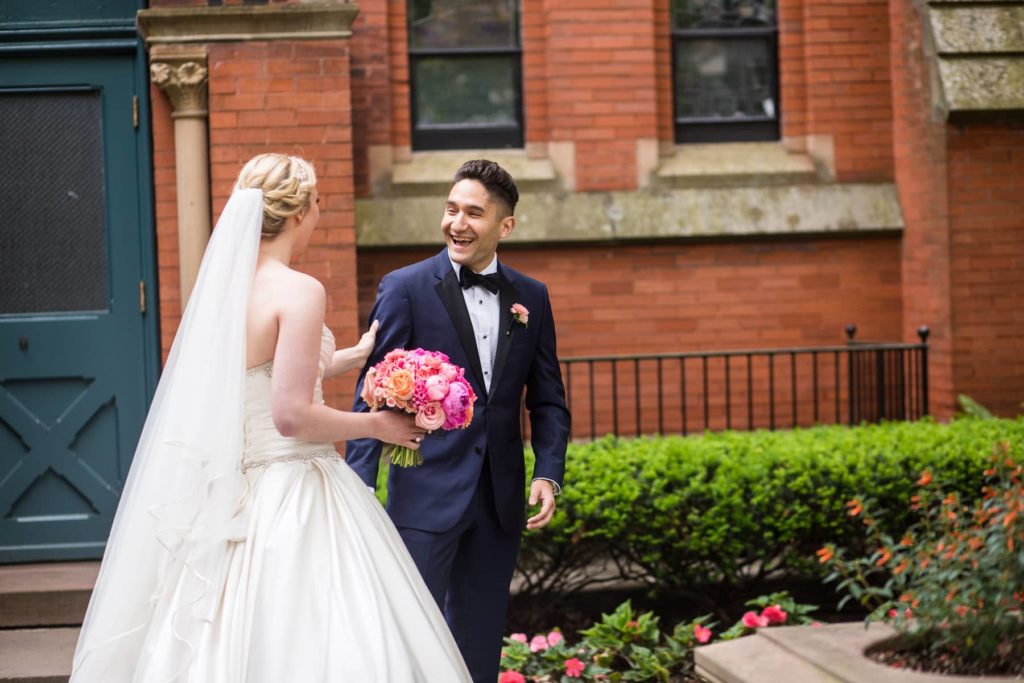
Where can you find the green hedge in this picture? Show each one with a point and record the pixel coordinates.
(734, 508)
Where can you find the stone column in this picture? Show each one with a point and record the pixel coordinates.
(182, 75)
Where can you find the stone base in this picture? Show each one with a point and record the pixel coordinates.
(806, 654)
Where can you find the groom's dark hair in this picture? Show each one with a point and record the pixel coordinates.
(498, 182)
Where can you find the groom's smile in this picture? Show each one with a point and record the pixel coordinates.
(473, 224)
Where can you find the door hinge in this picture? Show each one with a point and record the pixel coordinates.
(142, 297)
(135, 111)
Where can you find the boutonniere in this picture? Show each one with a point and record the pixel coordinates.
(519, 315)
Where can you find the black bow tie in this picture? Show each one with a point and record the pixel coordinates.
(467, 278)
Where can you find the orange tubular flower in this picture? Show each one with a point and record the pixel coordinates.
(856, 507)
(825, 555)
(886, 556)
(926, 478)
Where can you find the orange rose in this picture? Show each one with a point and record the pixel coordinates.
(402, 385)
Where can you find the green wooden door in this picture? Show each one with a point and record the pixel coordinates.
(77, 357)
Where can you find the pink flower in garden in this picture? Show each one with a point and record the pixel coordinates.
(519, 637)
(554, 638)
(701, 633)
(774, 614)
(574, 668)
(752, 620)
(538, 644)
(511, 677)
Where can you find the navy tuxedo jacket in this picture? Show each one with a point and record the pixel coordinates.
(422, 306)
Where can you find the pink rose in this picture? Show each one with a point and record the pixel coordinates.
(574, 668)
(449, 371)
(554, 638)
(519, 637)
(752, 620)
(437, 387)
(520, 314)
(538, 644)
(511, 677)
(430, 416)
(701, 633)
(774, 614)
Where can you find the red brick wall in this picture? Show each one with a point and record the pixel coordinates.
(986, 194)
(920, 161)
(166, 214)
(690, 297)
(601, 85)
(846, 58)
(698, 297)
(598, 73)
(371, 99)
(291, 97)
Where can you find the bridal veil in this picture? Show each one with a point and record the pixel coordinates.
(181, 503)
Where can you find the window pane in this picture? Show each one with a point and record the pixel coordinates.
(53, 246)
(729, 79)
(463, 23)
(469, 91)
(722, 13)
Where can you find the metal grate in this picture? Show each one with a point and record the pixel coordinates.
(53, 235)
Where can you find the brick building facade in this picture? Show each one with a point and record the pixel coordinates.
(872, 204)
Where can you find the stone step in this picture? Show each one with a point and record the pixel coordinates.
(51, 594)
(37, 655)
(755, 659)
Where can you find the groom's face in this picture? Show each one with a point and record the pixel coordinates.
(473, 224)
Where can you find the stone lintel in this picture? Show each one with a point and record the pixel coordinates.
(982, 85)
(577, 217)
(324, 20)
(968, 29)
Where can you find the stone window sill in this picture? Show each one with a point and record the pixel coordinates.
(734, 164)
(430, 173)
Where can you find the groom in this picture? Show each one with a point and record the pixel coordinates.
(461, 513)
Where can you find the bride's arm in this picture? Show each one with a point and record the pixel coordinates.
(354, 357)
(296, 362)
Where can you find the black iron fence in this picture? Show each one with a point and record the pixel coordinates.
(680, 393)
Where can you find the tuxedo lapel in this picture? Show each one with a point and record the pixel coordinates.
(507, 296)
(451, 294)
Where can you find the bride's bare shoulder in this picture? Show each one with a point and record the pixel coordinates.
(276, 282)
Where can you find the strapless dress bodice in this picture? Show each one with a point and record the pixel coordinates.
(264, 445)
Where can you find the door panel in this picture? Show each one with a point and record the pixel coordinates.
(73, 357)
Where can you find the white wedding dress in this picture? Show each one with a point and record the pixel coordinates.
(238, 555)
(321, 587)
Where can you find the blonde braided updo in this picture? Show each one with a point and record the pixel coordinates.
(287, 184)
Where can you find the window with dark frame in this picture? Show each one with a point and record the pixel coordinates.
(465, 74)
(725, 70)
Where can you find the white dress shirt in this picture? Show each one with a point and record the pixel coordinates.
(484, 313)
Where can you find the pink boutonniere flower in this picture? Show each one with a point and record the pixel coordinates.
(520, 315)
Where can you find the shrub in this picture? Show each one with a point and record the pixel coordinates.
(953, 582)
(734, 508)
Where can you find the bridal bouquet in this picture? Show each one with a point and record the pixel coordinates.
(425, 384)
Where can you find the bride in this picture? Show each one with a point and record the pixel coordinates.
(244, 548)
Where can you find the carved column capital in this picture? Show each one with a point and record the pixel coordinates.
(184, 78)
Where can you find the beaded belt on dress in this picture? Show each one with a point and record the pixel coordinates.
(296, 457)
